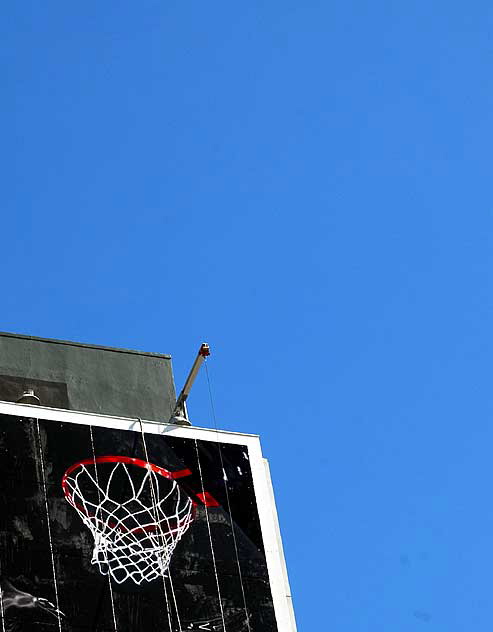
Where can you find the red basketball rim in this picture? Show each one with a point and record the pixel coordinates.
(127, 460)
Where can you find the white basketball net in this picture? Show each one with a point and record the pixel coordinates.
(136, 519)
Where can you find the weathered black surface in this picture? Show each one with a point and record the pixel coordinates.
(83, 592)
(86, 377)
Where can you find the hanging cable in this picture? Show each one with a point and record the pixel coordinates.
(158, 524)
(99, 500)
(225, 479)
(210, 536)
(174, 598)
(48, 525)
(2, 611)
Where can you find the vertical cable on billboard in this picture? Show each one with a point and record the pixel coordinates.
(158, 523)
(210, 535)
(99, 500)
(174, 598)
(2, 611)
(48, 525)
(225, 479)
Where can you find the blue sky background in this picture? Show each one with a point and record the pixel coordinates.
(307, 187)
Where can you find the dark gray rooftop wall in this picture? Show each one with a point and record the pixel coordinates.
(88, 378)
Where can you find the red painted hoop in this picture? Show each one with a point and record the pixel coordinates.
(121, 459)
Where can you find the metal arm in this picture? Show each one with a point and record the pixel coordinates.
(180, 415)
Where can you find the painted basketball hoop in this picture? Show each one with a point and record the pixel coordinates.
(136, 512)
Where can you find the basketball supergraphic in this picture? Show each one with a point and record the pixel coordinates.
(111, 528)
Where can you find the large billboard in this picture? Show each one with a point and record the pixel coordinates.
(123, 525)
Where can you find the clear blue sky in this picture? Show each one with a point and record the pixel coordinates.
(306, 186)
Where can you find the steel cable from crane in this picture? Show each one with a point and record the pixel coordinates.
(225, 479)
(43, 478)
